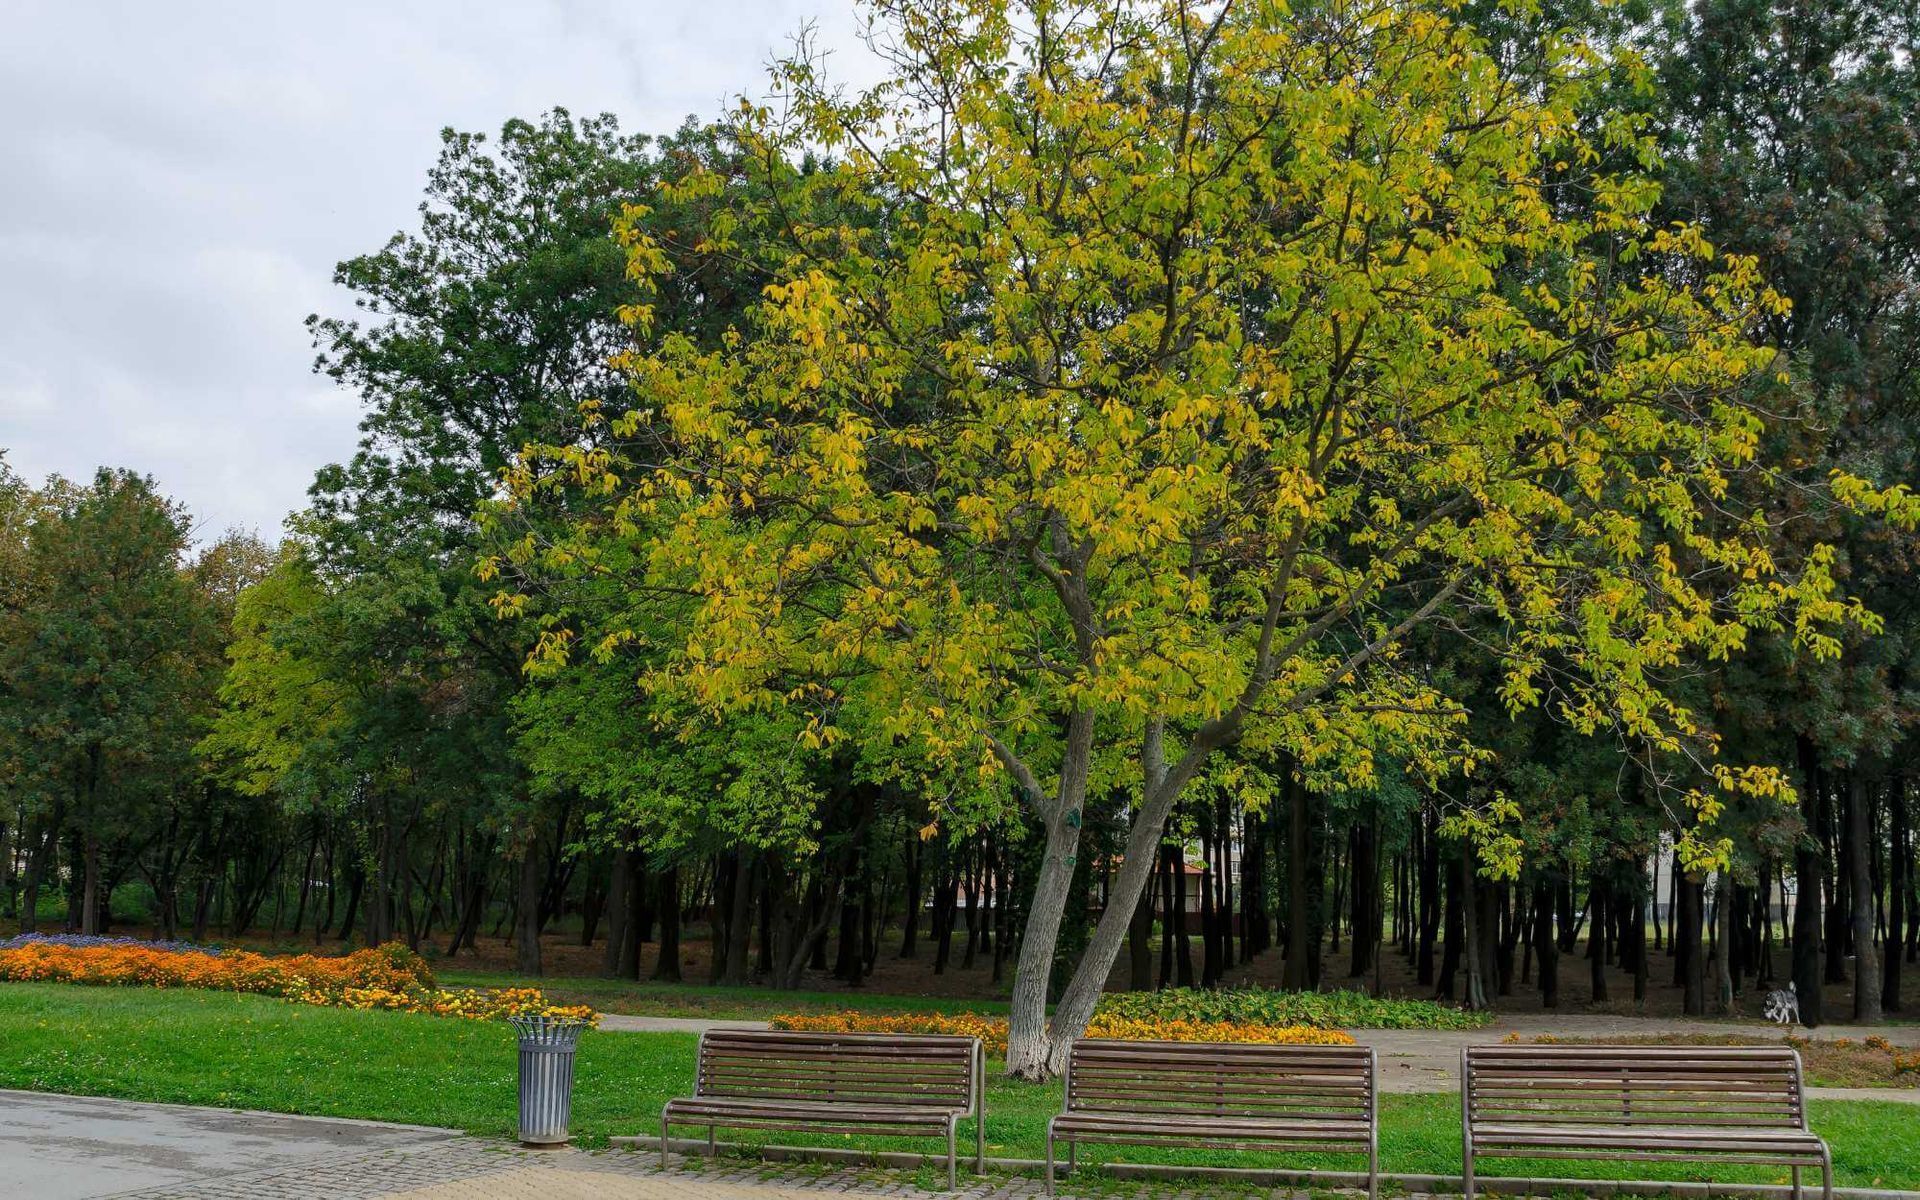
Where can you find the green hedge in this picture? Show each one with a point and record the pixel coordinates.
(1265, 1006)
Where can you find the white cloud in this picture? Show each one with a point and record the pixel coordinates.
(177, 182)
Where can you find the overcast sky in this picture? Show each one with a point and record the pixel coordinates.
(178, 180)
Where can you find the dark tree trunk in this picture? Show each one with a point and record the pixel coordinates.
(1808, 866)
(527, 932)
(619, 912)
(1366, 897)
(1303, 916)
(1899, 867)
(1430, 898)
(1599, 896)
(1866, 962)
(666, 968)
(1544, 894)
(1692, 956)
(1140, 940)
(1451, 957)
(1836, 878)
(910, 929)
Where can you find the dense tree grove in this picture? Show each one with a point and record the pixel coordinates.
(1149, 495)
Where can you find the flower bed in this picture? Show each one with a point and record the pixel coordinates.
(992, 1031)
(389, 977)
(1267, 1006)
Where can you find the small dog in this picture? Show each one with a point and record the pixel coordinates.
(1783, 1006)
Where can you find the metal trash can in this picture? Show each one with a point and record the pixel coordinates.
(546, 1077)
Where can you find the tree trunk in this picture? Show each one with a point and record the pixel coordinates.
(1473, 930)
(527, 930)
(619, 912)
(1140, 943)
(666, 967)
(1692, 956)
(1430, 898)
(1808, 866)
(1303, 920)
(1599, 896)
(910, 930)
(1899, 868)
(1543, 940)
(1366, 896)
(1725, 974)
(1029, 1051)
(1866, 961)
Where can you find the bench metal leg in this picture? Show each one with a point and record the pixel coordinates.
(663, 1141)
(713, 1151)
(1796, 1183)
(1466, 1168)
(1073, 1158)
(1049, 1160)
(1373, 1168)
(1826, 1173)
(952, 1127)
(980, 1141)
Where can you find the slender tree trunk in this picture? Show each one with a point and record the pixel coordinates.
(1808, 866)
(1366, 896)
(1303, 920)
(1430, 898)
(1693, 957)
(1472, 924)
(1599, 896)
(1899, 867)
(1866, 961)
(916, 893)
(666, 967)
(1140, 943)
(1543, 940)
(619, 912)
(1724, 909)
(527, 932)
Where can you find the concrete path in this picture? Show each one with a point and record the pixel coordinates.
(70, 1147)
(1428, 1060)
(620, 1023)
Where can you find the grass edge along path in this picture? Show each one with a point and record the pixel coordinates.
(242, 1051)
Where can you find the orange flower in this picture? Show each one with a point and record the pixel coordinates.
(992, 1031)
(388, 977)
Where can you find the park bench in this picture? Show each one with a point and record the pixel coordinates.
(856, 1083)
(1736, 1104)
(1220, 1096)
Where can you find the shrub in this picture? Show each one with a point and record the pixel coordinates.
(1266, 1006)
(992, 1031)
(389, 977)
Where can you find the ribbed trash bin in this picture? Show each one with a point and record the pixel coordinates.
(546, 1077)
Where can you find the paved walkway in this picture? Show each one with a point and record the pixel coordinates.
(83, 1148)
(72, 1147)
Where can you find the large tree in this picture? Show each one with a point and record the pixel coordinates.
(1179, 363)
(105, 664)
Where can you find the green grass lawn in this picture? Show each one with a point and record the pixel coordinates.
(701, 1000)
(252, 1052)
